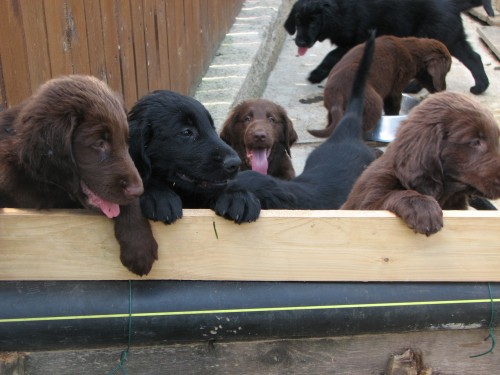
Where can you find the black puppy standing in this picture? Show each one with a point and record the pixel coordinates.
(346, 23)
(181, 159)
(329, 173)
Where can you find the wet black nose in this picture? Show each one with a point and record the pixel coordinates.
(231, 164)
(259, 136)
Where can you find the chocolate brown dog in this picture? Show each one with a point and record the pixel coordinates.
(396, 62)
(261, 133)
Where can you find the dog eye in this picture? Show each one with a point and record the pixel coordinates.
(271, 119)
(247, 119)
(187, 133)
(475, 142)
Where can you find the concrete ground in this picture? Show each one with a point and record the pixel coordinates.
(259, 59)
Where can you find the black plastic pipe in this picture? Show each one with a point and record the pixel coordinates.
(71, 314)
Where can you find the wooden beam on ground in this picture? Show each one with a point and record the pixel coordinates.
(491, 36)
(280, 246)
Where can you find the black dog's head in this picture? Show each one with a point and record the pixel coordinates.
(310, 19)
(173, 141)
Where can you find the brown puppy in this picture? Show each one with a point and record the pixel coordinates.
(66, 146)
(396, 62)
(261, 133)
(445, 152)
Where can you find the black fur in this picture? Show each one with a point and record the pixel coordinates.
(345, 24)
(180, 157)
(329, 173)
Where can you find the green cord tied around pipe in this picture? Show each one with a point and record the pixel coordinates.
(491, 333)
(124, 355)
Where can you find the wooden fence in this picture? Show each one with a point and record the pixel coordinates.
(134, 45)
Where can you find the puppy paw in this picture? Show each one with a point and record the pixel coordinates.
(139, 256)
(139, 259)
(161, 205)
(239, 206)
(138, 247)
(422, 214)
(318, 75)
(479, 88)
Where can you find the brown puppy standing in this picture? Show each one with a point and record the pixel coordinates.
(66, 146)
(261, 133)
(396, 62)
(445, 152)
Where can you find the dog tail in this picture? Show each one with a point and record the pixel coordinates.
(354, 110)
(464, 5)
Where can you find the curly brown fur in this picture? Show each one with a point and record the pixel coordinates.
(445, 152)
(396, 62)
(66, 146)
(261, 133)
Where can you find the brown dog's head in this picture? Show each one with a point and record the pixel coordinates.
(449, 144)
(435, 62)
(257, 128)
(73, 133)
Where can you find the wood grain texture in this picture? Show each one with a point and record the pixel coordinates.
(280, 246)
(446, 352)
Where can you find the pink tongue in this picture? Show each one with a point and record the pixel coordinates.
(302, 51)
(109, 209)
(259, 160)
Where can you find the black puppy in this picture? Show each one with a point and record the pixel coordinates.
(329, 173)
(345, 24)
(181, 159)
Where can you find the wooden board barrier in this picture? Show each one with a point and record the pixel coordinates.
(280, 246)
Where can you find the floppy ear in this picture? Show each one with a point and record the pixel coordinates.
(140, 135)
(437, 67)
(417, 161)
(289, 133)
(228, 131)
(45, 145)
(290, 21)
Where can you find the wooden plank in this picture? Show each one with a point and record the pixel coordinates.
(95, 38)
(126, 49)
(15, 70)
(141, 63)
(281, 245)
(176, 46)
(491, 36)
(111, 44)
(57, 38)
(155, 31)
(446, 352)
(37, 54)
(76, 34)
(481, 15)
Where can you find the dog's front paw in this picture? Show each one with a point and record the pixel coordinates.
(318, 75)
(239, 206)
(422, 214)
(139, 255)
(161, 205)
(138, 247)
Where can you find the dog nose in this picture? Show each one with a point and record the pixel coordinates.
(231, 164)
(259, 136)
(133, 190)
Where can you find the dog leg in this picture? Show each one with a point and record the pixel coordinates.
(323, 69)
(138, 248)
(463, 51)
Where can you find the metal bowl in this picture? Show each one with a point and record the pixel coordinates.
(385, 129)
